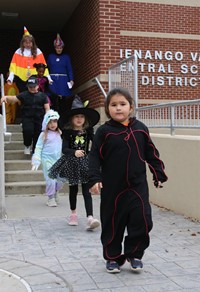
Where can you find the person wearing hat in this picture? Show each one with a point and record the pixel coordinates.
(61, 72)
(21, 66)
(47, 152)
(72, 167)
(33, 104)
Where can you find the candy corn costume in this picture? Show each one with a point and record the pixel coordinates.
(21, 66)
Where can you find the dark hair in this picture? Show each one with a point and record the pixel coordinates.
(121, 91)
(39, 65)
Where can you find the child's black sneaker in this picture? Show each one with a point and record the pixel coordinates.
(112, 267)
(136, 264)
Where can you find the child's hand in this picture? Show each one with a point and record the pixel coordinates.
(79, 153)
(34, 167)
(95, 189)
(158, 184)
(35, 164)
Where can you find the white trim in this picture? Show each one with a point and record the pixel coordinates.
(192, 3)
(159, 35)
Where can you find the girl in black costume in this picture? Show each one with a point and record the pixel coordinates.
(72, 167)
(117, 167)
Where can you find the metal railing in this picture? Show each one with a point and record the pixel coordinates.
(7, 135)
(173, 115)
(3, 135)
(2, 173)
(100, 86)
(125, 74)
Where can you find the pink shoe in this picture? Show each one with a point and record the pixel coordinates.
(73, 220)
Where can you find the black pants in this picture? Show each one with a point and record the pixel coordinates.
(31, 128)
(126, 219)
(73, 191)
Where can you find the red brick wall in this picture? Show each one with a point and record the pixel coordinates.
(94, 44)
(144, 17)
(159, 18)
(82, 32)
(83, 37)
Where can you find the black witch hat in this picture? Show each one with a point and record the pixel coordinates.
(78, 107)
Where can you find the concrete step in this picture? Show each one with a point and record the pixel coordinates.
(28, 188)
(19, 188)
(21, 175)
(16, 155)
(17, 165)
(17, 137)
(14, 128)
(14, 145)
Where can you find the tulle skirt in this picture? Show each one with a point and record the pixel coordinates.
(71, 169)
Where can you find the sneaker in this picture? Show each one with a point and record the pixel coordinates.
(136, 264)
(27, 150)
(51, 203)
(73, 220)
(92, 224)
(57, 199)
(112, 267)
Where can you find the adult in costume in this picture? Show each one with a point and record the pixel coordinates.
(60, 68)
(23, 60)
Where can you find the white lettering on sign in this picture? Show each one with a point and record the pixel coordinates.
(164, 68)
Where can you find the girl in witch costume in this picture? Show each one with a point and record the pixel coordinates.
(72, 167)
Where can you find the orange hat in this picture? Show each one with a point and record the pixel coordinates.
(26, 32)
(58, 41)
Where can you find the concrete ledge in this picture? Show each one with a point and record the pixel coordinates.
(181, 155)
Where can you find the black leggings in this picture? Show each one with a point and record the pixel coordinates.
(73, 191)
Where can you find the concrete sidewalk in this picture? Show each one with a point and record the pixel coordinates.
(40, 252)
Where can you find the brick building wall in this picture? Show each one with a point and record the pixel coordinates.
(163, 27)
(102, 32)
(94, 45)
(115, 29)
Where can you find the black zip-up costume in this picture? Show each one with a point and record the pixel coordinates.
(118, 159)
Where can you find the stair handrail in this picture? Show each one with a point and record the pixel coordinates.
(6, 134)
(100, 86)
(2, 173)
